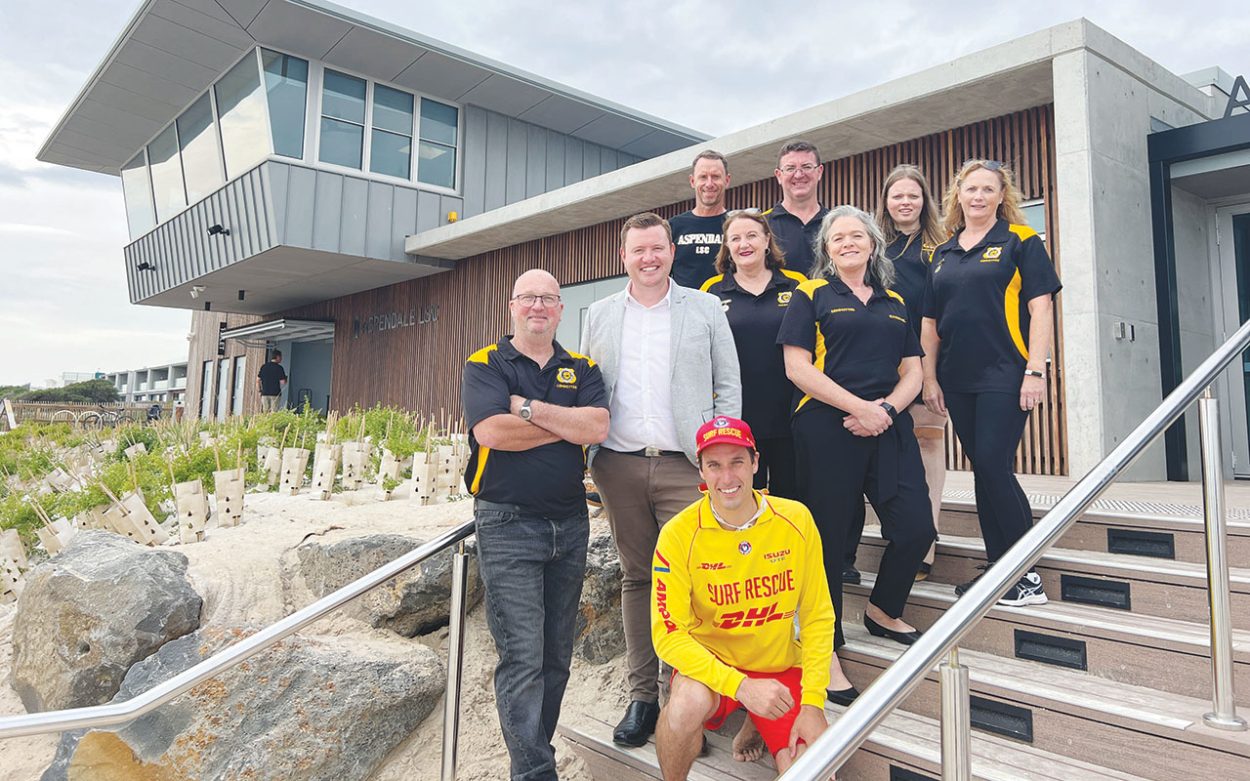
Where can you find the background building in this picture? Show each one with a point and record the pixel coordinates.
(166, 385)
(362, 197)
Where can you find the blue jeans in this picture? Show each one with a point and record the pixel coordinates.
(533, 569)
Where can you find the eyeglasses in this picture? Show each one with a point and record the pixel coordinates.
(529, 299)
(791, 170)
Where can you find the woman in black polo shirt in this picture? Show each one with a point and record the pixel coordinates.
(755, 289)
(852, 354)
(986, 335)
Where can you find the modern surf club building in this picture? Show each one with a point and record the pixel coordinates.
(361, 197)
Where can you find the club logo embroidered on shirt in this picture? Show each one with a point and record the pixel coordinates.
(991, 254)
(724, 304)
(744, 547)
(566, 377)
(783, 298)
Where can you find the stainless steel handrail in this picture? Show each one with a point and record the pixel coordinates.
(835, 747)
(121, 712)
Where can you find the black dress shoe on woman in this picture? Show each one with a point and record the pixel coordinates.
(638, 724)
(842, 696)
(876, 630)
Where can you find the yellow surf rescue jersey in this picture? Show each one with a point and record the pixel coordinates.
(724, 601)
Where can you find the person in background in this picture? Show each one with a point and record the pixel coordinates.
(796, 219)
(986, 336)
(669, 366)
(270, 381)
(697, 233)
(531, 407)
(755, 287)
(851, 352)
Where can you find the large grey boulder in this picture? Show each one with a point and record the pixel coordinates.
(600, 633)
(90, 613)
(414, 603)
(308, 709)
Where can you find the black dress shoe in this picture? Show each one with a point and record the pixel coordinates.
(923, 572)
(842, 696)
(638, 724)
(876, 630)
(851, 575)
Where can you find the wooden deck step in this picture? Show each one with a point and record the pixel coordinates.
(1148, 586)
(1150, 651)
(905, 746)
(1139, 730)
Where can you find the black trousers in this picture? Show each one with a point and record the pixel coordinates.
(836, 470)
(777, 468)
(989, 426)
(854, 531)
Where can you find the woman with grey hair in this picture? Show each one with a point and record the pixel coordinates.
(856, 363)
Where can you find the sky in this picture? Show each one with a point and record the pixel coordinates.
(712, 66)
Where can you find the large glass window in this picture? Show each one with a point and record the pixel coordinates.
(1035, 214)
(342, 119)
(286, 84)
(223, 387)
(200, 160)
(437, 164)
(390, 150)
(138, 191)
(241, 113)
(167, 186)
(236, 406)
(206, 390)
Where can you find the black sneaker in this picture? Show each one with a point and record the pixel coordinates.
(851, 575)
(963, 587)
(1027, 591)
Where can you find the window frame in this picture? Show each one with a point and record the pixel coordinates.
(1042, 203)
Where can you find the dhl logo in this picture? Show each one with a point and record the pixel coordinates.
(756, 616)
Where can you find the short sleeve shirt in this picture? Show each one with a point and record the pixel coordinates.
(698, 239)
(979, 299)
(767, 394)
(912, 258)
(859, 346)
(796, 239)
(546, 480)
(271, 376)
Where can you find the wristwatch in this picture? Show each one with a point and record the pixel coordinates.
(1034, 373)
(888, 407)
(526, 413)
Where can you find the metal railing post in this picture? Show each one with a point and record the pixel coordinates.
(956, 720)
(1224, 716)
(455, 662)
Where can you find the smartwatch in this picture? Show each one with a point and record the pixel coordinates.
(526, 413)
(888, 407)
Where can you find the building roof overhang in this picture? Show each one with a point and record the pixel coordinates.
(171, 51)
(284, 329)
(1001, 80)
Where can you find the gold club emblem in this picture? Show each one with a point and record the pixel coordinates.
(566, 376)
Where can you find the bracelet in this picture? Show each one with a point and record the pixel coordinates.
(889, 408)
(1034, 373)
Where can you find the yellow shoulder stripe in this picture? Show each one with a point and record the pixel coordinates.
(796, 276)
(589, 361)
(483, 355)
(810, 286)
(896, 296)
(1023, 231)
(707, 284)
(767, 212)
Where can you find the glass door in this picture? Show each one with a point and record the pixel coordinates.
(1233, 241)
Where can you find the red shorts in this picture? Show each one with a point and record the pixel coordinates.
(776, 732)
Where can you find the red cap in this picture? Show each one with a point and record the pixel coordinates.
(724, 430)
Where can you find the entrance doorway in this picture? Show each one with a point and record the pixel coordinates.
(1233, 243)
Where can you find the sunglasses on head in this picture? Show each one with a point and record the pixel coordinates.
(989, 165)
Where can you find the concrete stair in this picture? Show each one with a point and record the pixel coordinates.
(1108, 681)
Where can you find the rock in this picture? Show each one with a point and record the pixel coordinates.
(600, 633)
(415, 603)
(307, 709)
(90, 613)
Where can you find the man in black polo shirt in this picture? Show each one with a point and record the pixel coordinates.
(796, 219)
(269, 381)
(531, 407)
(697, 233)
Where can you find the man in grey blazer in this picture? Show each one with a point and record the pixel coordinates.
(669, 365)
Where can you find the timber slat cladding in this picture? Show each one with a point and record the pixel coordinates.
(418, 366)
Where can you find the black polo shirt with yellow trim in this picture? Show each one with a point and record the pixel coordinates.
(980, 300)
(796, 238)
(911, 258)
(767, 394)
(546, 480)
(857, 345)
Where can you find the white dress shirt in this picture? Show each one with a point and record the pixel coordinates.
(642, 402)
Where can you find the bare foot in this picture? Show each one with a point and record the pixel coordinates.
(748, 745)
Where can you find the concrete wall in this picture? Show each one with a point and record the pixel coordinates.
(1103, 108)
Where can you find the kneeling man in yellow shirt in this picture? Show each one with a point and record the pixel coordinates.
(730, 574)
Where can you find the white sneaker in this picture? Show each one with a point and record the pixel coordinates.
(1027, 591)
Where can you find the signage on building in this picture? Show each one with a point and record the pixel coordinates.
(391, 321)
(1239, 98)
